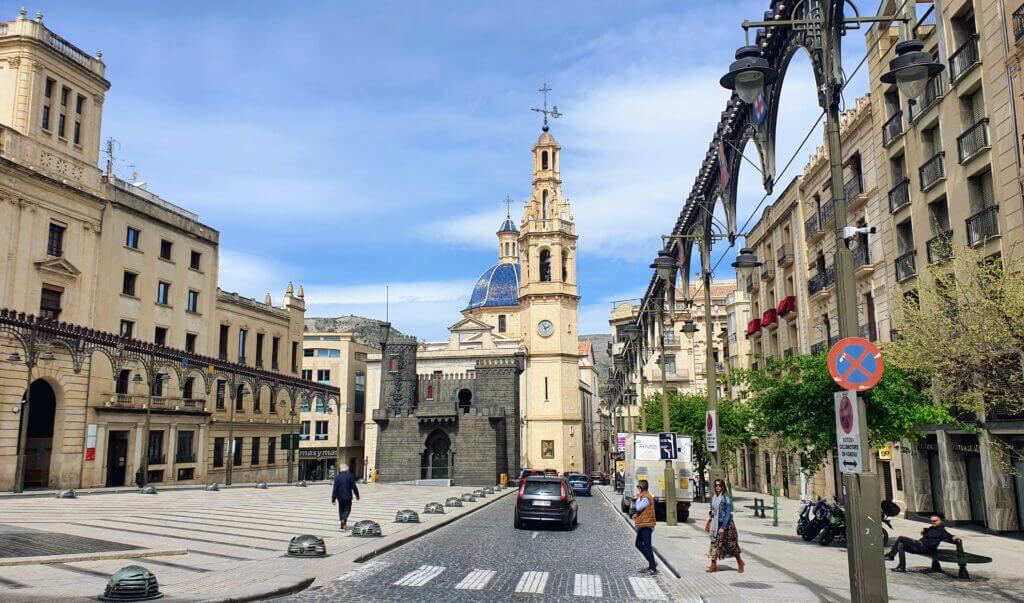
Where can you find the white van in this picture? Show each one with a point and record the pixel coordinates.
(643, 462)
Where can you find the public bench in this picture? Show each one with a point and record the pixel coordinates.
(958, 556)
(759, 508)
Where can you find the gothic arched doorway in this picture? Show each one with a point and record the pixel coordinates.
(39, 443)
(437, 457)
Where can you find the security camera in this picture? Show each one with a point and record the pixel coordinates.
(850, 232)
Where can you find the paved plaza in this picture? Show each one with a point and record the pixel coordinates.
(201, 545)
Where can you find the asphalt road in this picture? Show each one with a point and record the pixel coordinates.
(482, 557)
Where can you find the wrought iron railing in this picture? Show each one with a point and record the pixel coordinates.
(821, 280)
(933, 170)
(940, 247)
(767, 273)
(906, 266)
(899, 195)
(828, 214)
(751, 284)
(854, 187)
(787, 353)
(833, 340)
(185, 457)
(973, 141)
(982, 225)
(158, 402)
(818, 348)
(782, 256)
(861, 256)
(1018, 24)
(892, 128)
(157, 459)
(933, 91)
(811, 226)
(964, 58)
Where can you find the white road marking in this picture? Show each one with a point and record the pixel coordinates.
(362, 572)
(420, 576)
(476, 580)
(588, 585)
(532, 582)
(646, 589)
(535, 534)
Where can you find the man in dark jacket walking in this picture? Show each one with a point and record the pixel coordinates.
(344, 489)
(931, 537)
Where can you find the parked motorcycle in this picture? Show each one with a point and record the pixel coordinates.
(815, 521)
(835, 526)
(889, 509)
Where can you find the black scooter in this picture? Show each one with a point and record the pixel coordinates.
(889, 509)
(835, 526)
(815, 520)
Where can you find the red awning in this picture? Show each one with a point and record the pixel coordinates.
(753, 326)
(769, 317)
(787, 305)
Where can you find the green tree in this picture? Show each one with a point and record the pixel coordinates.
(793, 399)
(687, 413)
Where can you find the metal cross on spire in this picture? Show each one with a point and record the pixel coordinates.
(508, 207)
(554, 109)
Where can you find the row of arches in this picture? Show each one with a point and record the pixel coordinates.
(545, 266)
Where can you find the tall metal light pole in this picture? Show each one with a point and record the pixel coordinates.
(292, 444)
(153, 377)
(820, 25)
(665, 267)
(237, 390)
(33, 354)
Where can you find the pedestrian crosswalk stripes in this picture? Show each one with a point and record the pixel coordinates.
(420, 576)
(587, 585)
(646, 589)
(532, 582)
(476, 580)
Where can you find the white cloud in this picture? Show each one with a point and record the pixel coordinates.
(252, 275)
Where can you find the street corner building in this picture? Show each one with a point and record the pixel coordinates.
(462, 428)
(119, 354)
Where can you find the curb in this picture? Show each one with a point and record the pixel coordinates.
(407, 539)
(625, 521)
(281, 591)
(126, 490)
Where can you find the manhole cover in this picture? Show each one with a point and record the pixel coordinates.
(16, 541)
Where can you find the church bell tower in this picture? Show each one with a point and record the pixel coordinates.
(549, 299)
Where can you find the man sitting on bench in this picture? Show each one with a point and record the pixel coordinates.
(931, 537)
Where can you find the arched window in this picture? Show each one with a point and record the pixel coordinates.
(544, 160)
(465, 400)
(502, 325)
(430, 392)
(565, 266)
(544, 206)
(393, 364)
(545, 265)
(186, 390)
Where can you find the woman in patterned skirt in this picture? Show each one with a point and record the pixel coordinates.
(722, 529)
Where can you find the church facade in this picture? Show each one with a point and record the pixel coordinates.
(522, 317)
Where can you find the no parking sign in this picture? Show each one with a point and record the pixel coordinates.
(856, 364)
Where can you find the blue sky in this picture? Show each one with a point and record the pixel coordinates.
(346, 146)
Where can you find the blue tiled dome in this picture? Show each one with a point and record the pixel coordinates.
(498, 286)
(508, 226)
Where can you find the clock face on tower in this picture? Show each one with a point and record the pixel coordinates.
(545, 328)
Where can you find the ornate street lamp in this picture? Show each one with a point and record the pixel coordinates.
(749, 74)
(144, 464)
(746, 262)
(664, 264)
(911, 69)
(689, 329)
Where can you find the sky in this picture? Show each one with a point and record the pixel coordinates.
(352, 147)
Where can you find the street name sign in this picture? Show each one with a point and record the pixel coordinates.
(855, 364)
(667, 444)
(850, 423)
(711, 430)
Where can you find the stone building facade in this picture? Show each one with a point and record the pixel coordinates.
(460, 427)
(218, 371)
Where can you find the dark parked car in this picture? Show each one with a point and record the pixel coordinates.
(551, 472)
(599, 478)
(525, 473)
(545, 500)
(580, 484)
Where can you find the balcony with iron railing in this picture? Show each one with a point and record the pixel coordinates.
(906, 266)
(933, 170)
(817, 348)
(819, 282)
(1018, 24)
(185, 457)
(783, 256)
(892, 128)
(965, 57)
(933, 91)
(811, 227)
(787, 353)
(752, 284)
(940, 247)
(159, 403)
(833, 340)
(767, 273)
(828, 214)
(983, 225)
(156, 459)
(853, 188)
(861, 256)
(973, 141)
(899, 195)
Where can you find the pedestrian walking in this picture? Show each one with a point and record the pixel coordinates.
(931, 537)
(341, 494)
(722, 529)
(644, 520)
